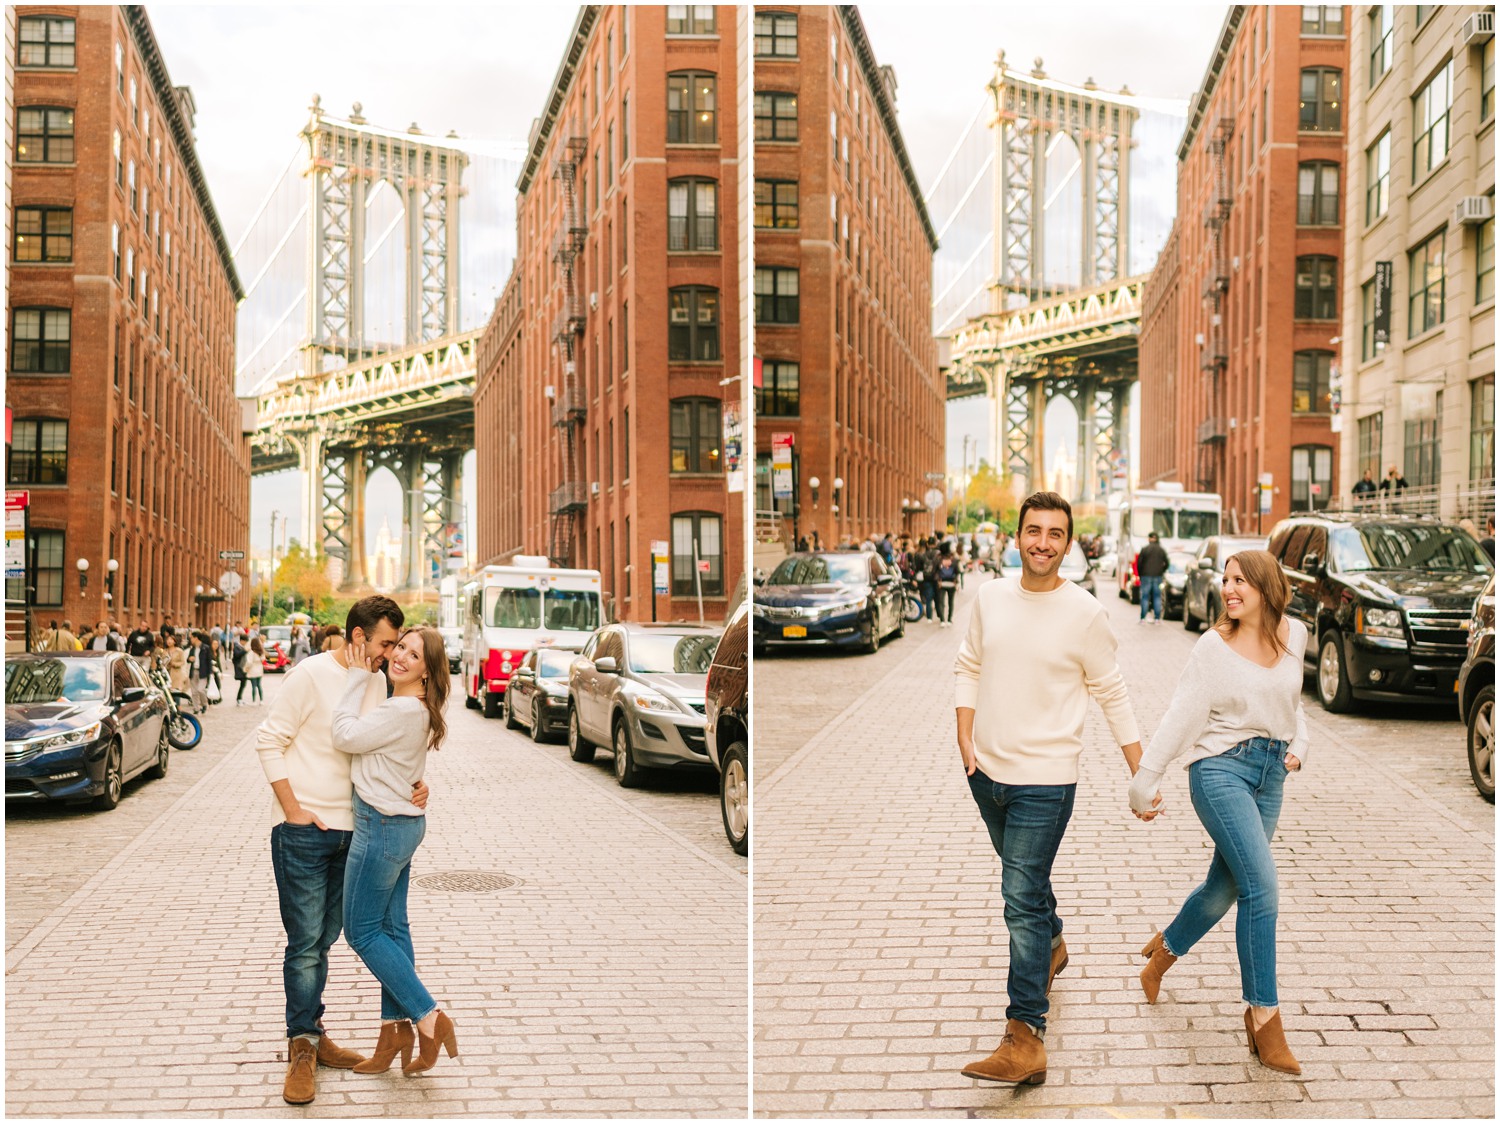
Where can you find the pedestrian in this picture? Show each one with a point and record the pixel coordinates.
(49, 640)
(1036, 649)
(301, 649)
(216, 656)
(313, 814)
(237, 653)
(200, 659)
(928, 570)
(141, 643)
(333, 640)
(1237, 717)
(1364, 488)
(389, 746)
(255, 669)
(175, 660)
(101, 640)
(1150, 566)
(1487, 544)
(1394, 483)
(117, 636)
(947, 585)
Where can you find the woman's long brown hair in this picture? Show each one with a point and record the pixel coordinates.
(437, 679)
(1265, 576)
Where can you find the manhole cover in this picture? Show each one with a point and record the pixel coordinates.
(467, 882)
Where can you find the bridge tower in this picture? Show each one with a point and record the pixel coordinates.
(1030, 111)
(345, 161)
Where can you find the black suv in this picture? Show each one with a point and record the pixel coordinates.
(1386, 600)
(1476, 693)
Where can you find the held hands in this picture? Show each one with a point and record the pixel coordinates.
(1156, 810)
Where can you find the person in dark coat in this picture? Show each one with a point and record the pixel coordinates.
(1151, 566)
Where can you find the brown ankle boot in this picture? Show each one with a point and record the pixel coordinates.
(1269, 1044)
(1059, 962)
(1020, 1060)
(334, 1056)
(301, 1072)
(1152, 973)
(442, 1035)
(395, 1038)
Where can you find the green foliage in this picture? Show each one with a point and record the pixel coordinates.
(990, 498)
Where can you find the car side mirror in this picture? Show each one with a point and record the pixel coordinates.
(607, 664)
(886, 580)
(1205, 563)
(1312, 564)
(760, 579)
(132, 694)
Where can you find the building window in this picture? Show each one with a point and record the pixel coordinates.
(775, 35)
(624, 127)
(130, 272)
(1487, 80)
(775, 117)
(1367, 321)
(691, 19)
(114, 245)
(1423, 11)
(135, 197)
(44, 234)
(1382, 27)
(700, 528)
(776, 299)
(1317, 288)
(1482, 432)
(692, 214)
(1322, 20)
(39, 451)
(609, 155)
(47, 567)
(47, 41)
(1310, 390)
(1371, 438)
(1424, 448)
(692, 116)
(693, 325)
(776, 204)
(779, 395)
(1430, 123)
(1318, 193)
(42, 340)
(44, 135)
(1312, 477)
(695, 435)
(1322, 100)
(1378, 177)
(1428, 286)
(1484, 261)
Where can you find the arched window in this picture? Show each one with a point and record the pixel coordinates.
(692, 214)
(1322, 100)
(692, 108)
(1318, 193)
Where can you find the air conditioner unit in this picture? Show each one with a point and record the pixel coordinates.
(1472, 209)
(679, 316)
(593, 300)
(1201, 339)
(594, 488)
(1478, 28)
(550, 392)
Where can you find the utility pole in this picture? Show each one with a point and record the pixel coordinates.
(272, 597)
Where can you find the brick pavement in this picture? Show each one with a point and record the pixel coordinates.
(609, 981)
(880, 952)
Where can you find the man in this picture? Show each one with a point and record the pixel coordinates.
(141, 643)
(1393, 482)
(1151, 565)
(313, 814)
(1037, 647)
(1365, 487)
(102, 641)
(50, 639)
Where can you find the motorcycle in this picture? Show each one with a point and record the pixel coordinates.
(184, 731)
(912, 589)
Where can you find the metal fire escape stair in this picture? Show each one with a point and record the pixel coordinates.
(567, 502)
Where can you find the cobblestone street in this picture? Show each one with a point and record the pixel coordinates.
(609, 979)
(881, 954)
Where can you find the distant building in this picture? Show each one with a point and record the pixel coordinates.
(385, 564)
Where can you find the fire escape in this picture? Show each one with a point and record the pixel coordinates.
(1213, 431)
(568, 500)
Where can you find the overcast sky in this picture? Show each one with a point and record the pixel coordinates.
(485, 71)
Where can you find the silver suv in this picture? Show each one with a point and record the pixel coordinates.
(638, 689)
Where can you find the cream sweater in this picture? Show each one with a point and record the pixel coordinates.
(1027, 666)
(295, 742)
(389, 744)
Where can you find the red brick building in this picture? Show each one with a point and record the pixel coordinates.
(1250, 289)
(121, 306)
(601, 390)
(843, 283)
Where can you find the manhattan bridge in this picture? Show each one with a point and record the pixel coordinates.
(1037, 284)
(358, 336)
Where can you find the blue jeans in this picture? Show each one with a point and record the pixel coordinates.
(1151, 596)
(929, 600)
(376, 882)
(1026, 823)
(309, 865)
(1237, 795)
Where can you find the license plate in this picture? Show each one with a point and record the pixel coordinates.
(794, 631)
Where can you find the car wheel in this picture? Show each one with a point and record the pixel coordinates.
(627, 772)
(536, 722)
(491, 705)
(1189, 621)
(871, 643)
(510, 714)
(1333, 680)
(114, 779)
(470, 701)
(1482, 742)
(163, 759)
(734, 798)
(900, 630)
(579, 747)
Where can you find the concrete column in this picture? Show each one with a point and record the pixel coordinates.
(410, 477)
(412, 194)
(1086, 483)
(1038, 479)
(354, 569)
(309, 448)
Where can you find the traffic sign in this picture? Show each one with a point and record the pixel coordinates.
(229, 582)
(933, 498)
(235, 554)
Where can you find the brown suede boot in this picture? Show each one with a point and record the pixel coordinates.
(1020, 1060)
(442, 1035)
(395, 1038)
(301, 1072)
(1059, 962)
(1269, 1044)
(1152, 973)
(334, 1056)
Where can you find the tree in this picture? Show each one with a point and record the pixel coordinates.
(992, 494)
(304, 575)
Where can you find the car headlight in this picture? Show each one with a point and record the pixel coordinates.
(648, 700)
(505, 666)
(855, 606)
(71, 738)
(757, 609)
(1382, 622)
(557, 700)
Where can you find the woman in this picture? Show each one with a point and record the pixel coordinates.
(176, 663)
(1237, 717)
(216, 668)
(333, 639)
(255, 668)
(389, 747)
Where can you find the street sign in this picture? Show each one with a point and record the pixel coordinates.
(229, 582)
(781, 465)
(15, 534)
(933, 498)
(235, 554)
(660, 558)
(1265, 493)
(703, 565)
(1384, 275)
(733, 446)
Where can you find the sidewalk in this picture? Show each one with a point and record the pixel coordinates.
(881, 952)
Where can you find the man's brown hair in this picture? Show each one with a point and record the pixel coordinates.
(1046, 501)
(368, 612)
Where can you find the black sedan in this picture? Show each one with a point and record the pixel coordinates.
(1203, 593)
(78, 725)
(538, 694)
(829, 599)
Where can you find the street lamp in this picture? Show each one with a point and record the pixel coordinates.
(109, 579)
(838, 488)
(83, 575)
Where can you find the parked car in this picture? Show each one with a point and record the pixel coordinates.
(276, 639)
(829, 599)
(537, 696)
(639, 689)
(1386, 600)
(1075, 567)
(1476, 692)
(1203, 595)
(453, 646)
(78, 725)
(727, 711)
